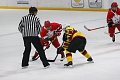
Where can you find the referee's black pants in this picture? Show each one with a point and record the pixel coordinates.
(36, 43)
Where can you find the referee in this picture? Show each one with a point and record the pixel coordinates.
(30, 27)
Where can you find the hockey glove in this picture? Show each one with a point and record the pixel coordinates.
(64, 37)
(110, 24)
(58, 30)
(59, 50)
(46, 44)
(58, 33)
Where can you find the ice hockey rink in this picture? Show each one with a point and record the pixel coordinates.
(106, 54)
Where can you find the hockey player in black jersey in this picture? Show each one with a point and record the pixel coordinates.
(73, 40)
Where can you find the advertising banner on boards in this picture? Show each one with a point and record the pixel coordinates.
(77, 3)
(95, 3)
(22, 1)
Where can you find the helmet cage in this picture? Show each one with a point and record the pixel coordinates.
(69, 32)
(47, 25)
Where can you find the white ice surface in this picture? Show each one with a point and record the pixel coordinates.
(105, 53)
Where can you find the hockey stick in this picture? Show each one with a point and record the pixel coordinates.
(55, 56)
(39, 56)
(46, 48)
(53, 59)
(94, 28)
(117, 32)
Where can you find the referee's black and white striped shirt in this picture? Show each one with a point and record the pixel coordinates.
(29, 25)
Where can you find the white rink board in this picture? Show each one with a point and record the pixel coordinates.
(54, 3)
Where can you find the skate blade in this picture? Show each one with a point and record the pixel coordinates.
(24, 67)
(90, 61)
(70, 66)
(32, 60)
(47, 67)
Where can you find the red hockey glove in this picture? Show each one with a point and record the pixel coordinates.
(58, 33)
(59, 29)
(46, 44)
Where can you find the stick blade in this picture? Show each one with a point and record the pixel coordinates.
(117, 32)
(86, 28)
(51, 60)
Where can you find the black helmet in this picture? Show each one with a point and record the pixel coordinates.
(32, 9)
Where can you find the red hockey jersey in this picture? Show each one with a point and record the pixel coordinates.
(54, 27)
(44, 33)
(111, 16)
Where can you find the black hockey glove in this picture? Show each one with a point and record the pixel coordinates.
(64, 37)
(110, 24)
(59, 50)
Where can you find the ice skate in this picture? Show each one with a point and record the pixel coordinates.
(47, 66)
(113, 39)
(69, 64)
(90, 60)
(34, 58)
(24, 67)
(62, 57)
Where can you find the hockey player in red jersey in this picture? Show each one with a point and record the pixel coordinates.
(113, 19)
(49, 32)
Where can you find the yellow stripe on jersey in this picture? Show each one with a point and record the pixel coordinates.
(78, 34)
